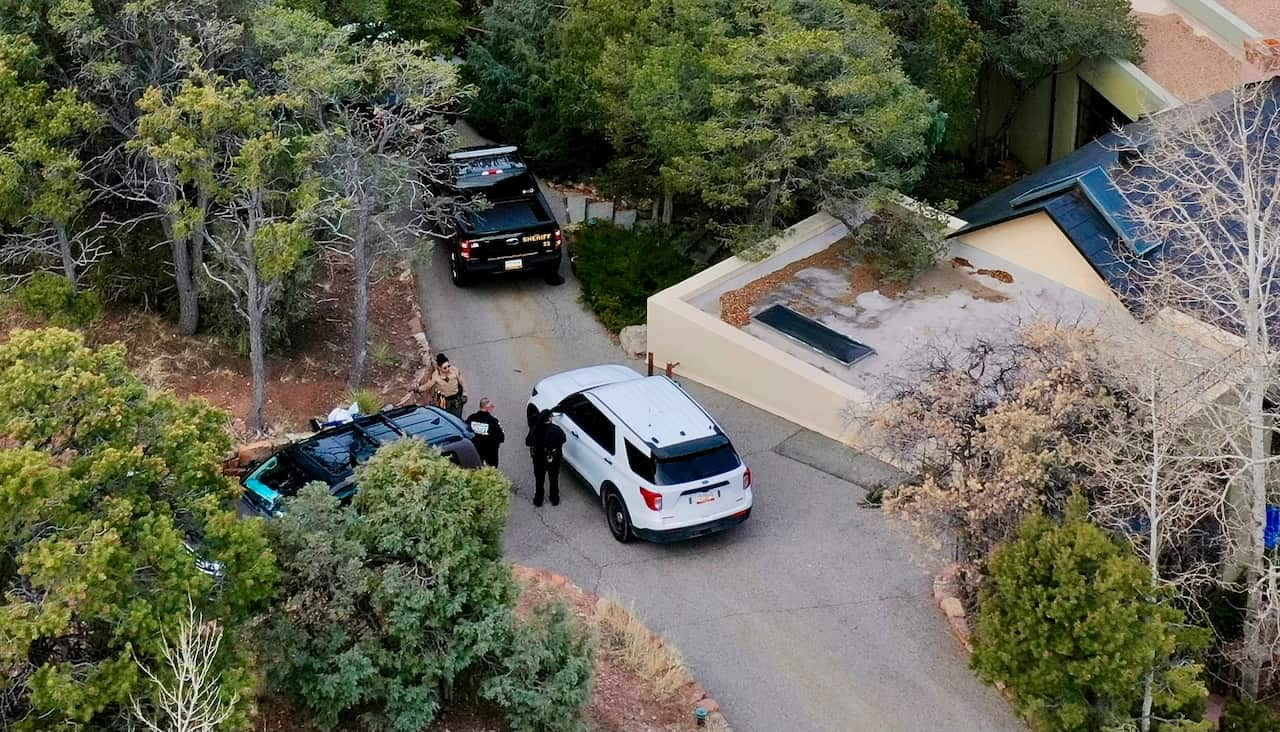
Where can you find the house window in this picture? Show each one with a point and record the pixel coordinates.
(1095, 116)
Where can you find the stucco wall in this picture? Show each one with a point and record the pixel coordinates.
(1036, 243)
(725, 358)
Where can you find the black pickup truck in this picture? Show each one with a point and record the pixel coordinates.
(504, 224)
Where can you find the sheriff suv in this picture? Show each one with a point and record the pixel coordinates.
(504, 224)
(662, 467)
(331, 455)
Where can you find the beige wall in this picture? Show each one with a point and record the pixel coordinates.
(1036, 243)
(727, 359)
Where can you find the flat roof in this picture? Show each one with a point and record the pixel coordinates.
(1264, 15)
(969, 296)
(1189, 64)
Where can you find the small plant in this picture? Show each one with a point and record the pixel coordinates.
(1071, 623)
(620, 269)
(633, 646)
(900, 244)
(382, 353)
(543, 675)
(55, 299)
(1249, 716)
(368, 400)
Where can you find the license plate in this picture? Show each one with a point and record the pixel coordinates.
(704, 499)
(511, 264)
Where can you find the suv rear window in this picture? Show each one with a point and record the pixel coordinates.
(698, 465)
(641, 462)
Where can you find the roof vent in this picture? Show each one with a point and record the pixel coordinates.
(1262, 58)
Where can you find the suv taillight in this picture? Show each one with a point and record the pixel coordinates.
(651, 499)
(464, 249)
(559, 239)
(746, 479)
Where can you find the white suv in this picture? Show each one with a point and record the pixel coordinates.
(663, 468)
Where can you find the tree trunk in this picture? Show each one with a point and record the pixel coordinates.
(360, 328)
(668, 204)
(184, 277)
(1258, 346)
(1156, 542)
(1254, 652)
(257, 357)
(68, 257)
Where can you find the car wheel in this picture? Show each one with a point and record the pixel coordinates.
(456, 272)
(615, 512)
(551, 274)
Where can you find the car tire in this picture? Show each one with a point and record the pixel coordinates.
(551, 274)
(456, 273)
(617, 516)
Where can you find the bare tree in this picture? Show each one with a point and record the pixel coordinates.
(126, 51)
(73, 248)
(243, 168)
(382, 107)
(260, 236)
(1148, 481)
(187, 690)
(1201, 181)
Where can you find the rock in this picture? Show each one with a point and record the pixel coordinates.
(960, 629)
(254, 451)
(635, 340)
(624, 218)
(576, 208)
(952, 607)
(600, 211)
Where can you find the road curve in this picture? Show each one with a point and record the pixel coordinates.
(813, 615)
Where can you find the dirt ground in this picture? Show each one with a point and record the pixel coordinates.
(305, 382)
(621, 700)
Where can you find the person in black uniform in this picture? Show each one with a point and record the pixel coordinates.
(488, 432)
(546, 447)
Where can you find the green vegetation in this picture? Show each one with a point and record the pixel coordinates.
(1249, 716)
(55, 299)
(900, 244)
(753, 112)
(1072, 624)
(103, 487)
(394, 604)
(369, 401)
(620, 269)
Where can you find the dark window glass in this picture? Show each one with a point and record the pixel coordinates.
(281, 475)
(699, 465)
(641, 462)
(597, 426)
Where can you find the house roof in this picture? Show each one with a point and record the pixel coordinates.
(1088, 194)
(1077, 193)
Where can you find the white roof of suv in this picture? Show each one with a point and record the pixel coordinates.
(654, 407)
(657, 410)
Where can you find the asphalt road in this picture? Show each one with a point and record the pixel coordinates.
(813, 615)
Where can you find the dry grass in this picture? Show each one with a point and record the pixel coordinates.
(633, 646)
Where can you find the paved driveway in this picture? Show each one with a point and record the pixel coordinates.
(813, 615)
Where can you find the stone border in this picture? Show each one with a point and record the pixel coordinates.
(946, 594)
(715, 718)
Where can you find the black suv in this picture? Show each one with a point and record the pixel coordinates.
(331, 455)
(504, 224)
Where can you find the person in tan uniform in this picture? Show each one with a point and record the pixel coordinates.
(450, 391)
